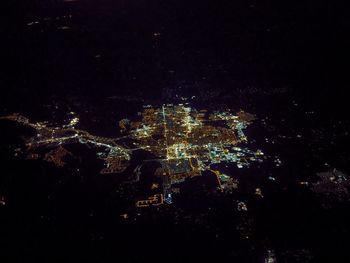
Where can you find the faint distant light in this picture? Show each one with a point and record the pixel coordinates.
(63, 27)
(242, 206)
(2, 201)
(32, 23)
(125, 216)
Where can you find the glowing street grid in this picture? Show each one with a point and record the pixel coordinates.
(188, 142)
(184, 141)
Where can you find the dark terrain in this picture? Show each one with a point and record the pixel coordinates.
(105, 59)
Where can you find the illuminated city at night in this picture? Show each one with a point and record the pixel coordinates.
(184, 141)
(173, 131)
